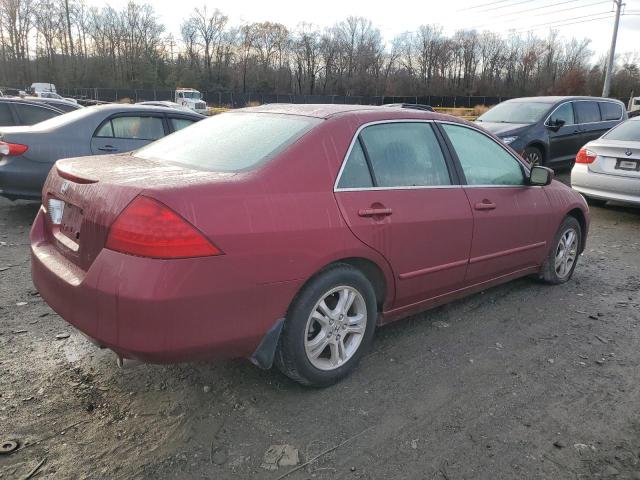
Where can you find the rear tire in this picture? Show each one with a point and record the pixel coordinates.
(323, 339)
(563, 255)
(534, 156)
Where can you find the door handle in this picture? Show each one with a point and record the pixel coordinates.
(576, 131)
(108, 148)
(375, 212)
(485, 205)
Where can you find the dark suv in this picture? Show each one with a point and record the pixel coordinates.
(551, 130)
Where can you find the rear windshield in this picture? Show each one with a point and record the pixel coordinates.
(66, 118)
(230, 142)
(628, 131)
(516, 112)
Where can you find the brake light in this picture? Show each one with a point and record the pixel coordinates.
(148, 228)
(12, 149)
(585, 156)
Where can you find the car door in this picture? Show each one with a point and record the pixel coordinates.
(123, 133)
(563, 141)
(510, 218)
(399, 195)
(590, 121)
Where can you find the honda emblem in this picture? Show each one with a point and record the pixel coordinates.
(64, 187)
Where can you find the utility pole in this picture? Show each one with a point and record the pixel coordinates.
(612, 50)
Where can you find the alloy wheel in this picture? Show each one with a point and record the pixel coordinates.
(566, 252)
(533, 158)
(335, 328)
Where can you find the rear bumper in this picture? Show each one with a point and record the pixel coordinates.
(159, 310)
(605, 187)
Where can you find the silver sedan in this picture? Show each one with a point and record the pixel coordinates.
(609, 168)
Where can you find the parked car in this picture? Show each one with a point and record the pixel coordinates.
(60, 104)
(166, 104)
(415, 106)
(550, 130)
(18, 112)
(609, 168)
(54, 96)
(28, 153)
(289, 232)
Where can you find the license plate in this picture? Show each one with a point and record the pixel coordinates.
(632, 165)
(71, 222)
(56, 209)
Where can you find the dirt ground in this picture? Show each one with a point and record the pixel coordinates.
(521, 381)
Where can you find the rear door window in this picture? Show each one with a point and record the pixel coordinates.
(610, 111)
(6, 118)
(132, 128)
(356, 172)
(405, 154)
(587, 111)
(32, 114)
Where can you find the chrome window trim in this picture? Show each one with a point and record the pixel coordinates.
(423, 187)
(355, 139)
(587, 123)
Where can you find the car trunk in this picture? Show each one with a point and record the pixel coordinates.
(616, 157)
(83, 196)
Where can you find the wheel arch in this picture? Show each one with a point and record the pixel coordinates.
(579, 215)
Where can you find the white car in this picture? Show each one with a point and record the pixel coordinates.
(609, 168)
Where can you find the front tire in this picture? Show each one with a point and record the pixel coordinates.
(328, 328)
(534, 156)
(562, 258)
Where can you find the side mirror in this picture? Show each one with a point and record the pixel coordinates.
(540, 176)
(556, 124)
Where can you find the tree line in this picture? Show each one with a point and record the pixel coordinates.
(69, 44)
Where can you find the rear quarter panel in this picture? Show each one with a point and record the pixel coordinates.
(280, 223)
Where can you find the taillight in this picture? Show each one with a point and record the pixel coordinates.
(148, 228)
(585, 156)
(12, 149)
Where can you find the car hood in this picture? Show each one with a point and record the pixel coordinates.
(503, 129)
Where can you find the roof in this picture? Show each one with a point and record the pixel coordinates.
(557, 98)
(315, 110)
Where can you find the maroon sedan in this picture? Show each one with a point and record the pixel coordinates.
(287, 233)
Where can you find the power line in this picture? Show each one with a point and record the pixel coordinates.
(551, 24)
(512, 5)
(555, 5)
(482, 5)
(546, 13)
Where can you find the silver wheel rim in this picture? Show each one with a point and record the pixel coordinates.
(335, 328)
(533, 158)
(566, 252)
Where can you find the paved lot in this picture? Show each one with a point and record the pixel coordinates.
(520, 381)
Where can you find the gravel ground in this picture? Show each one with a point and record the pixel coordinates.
(520, 381)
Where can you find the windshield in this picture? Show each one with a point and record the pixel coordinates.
(628, 131)
(194, 95)
(230, 142)
(516, 112)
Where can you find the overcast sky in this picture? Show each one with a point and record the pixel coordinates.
(394, 17)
